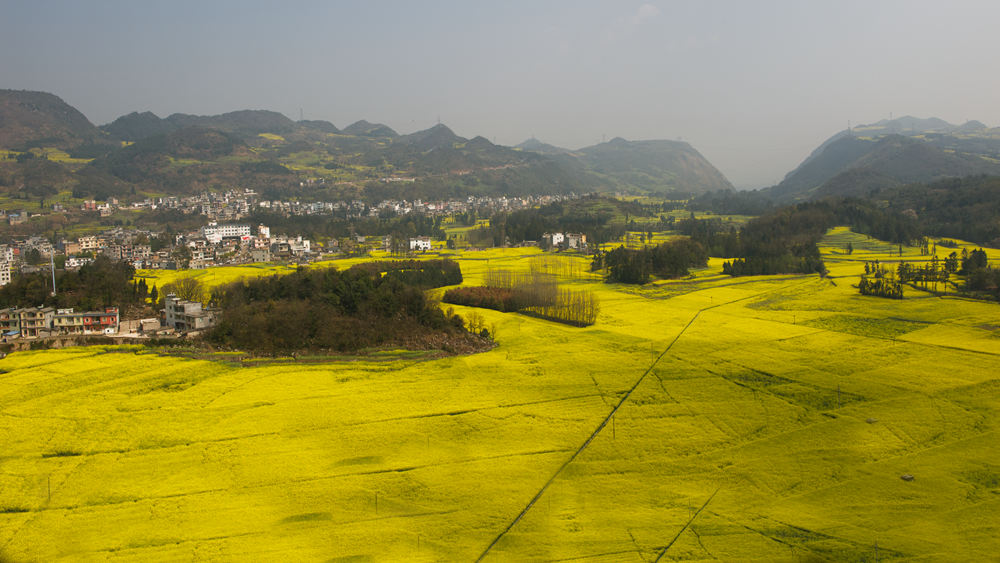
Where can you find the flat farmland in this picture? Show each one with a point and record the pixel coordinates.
(710, 418)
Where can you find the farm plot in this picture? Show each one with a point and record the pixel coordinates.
(751, 419)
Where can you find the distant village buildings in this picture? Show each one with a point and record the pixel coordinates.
(564, 241)
(226, 238)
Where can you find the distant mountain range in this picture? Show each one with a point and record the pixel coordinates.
(891, 153)
(141, 152)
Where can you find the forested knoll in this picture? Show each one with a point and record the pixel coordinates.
(324, 309)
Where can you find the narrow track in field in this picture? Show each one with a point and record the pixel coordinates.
(605, 421)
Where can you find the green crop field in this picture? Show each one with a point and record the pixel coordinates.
(708, 418)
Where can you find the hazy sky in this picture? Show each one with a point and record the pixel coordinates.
(753, 85)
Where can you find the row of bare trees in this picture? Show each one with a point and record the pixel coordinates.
(542, 296)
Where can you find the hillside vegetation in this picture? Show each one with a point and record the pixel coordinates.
(889, 154)
(39, 119)
(140, 153)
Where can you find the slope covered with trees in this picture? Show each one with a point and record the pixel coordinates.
(367, 306)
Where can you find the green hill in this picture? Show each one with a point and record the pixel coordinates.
(669, 167)
(366, 129)
(319, 125)
(136, 126)
(891, 153)
(39, 119)
(243, 122)
(534, 145)
(187, 161)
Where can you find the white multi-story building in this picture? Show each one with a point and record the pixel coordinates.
(73, 262)
(4, 273)
(214, 232)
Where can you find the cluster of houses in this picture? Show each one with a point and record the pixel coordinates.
(35, 322)
(211, 245)
(564, 241)
(237, 204)
(177, 315)
(224, 240)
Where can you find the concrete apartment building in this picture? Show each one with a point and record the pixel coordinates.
(33, 322)
(187, 315)
(66, 321)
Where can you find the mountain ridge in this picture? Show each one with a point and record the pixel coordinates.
(141, 151)
(889, 153)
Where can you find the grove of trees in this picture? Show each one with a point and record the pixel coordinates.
(371, 305)
(667, 260)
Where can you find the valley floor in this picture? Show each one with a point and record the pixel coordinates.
(714, 418)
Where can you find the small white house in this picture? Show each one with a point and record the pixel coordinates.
(552, 240)
(420, 243)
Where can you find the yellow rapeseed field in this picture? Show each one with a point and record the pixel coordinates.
(709, 418)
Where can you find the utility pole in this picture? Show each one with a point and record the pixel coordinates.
(52, 266)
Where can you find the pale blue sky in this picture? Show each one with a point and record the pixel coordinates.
(754, 86)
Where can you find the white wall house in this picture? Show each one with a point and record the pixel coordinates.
(420, 243)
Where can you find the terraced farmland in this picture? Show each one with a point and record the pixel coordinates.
(747, 419)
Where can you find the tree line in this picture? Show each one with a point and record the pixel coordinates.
(785, 240)
(598, 217)
(101, 283)
(967, 208)
(533, 293)
(979, 277)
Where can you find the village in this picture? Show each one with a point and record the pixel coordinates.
(222, 240)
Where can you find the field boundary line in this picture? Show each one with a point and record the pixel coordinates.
(589, 439)
(681, 531)
(604, 422)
